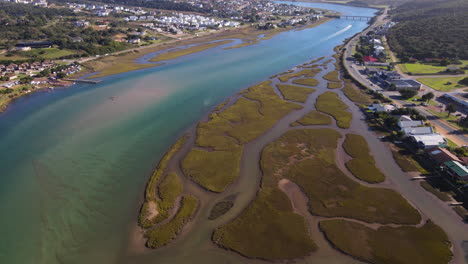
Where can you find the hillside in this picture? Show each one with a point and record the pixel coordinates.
(430, 29)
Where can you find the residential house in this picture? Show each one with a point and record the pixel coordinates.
(428, 141)
(456, 170)
(441, 155)
(411, 131)
(382, 108)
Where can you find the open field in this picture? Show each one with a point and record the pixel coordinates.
(307, 81)
(307, 157)
(151, 198)
(363, 164)
(295, 93)
(48, 53)
(256, 111)
(333, 76)
(443, 84)
(427, 68)
(314, 118)
(418, 68)
(163, 234)
(330, 103)
(174, 54)
(267, 229)
(401, 245)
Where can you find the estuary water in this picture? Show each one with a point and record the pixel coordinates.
(74, 162)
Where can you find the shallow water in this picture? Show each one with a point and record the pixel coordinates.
(74, 161)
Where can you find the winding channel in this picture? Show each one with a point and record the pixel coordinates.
(74, 162)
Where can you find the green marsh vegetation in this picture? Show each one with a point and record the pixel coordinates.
(334, 85)
(307, 81)
(295, 93)
(163, 234)
(362, 166)
(148, 217)
(307, 157)
(333, 76)
(174, 54)
(267, 229)
(330, 103)
(314, 118)
(397, 245)
(220, 140)
(354, 93)
(303, 73)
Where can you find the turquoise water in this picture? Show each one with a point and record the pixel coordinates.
(74, 161)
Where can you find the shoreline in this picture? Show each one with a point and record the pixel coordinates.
(127, 60)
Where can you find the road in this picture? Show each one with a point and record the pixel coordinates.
(356, 71)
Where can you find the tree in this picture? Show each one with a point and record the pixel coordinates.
(450, 109)
(358, 56)
(407, 93)
(61, 75)
(26, 79)
(427, 97)
(463, 81)
(463, 122)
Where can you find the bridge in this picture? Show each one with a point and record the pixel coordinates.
(366, 18)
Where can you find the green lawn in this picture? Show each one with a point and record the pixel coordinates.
(442, 84)
(48, 53)
(418, 68)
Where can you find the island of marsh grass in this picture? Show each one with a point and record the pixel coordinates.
(163, 234)
(267, 229)
(220, 209)
(307, 157)
(225, 133)
(295, 93)
(214, 170)
(307, 81)
(147, 218)
(355, 94)
(169, 189)
(330, 103)
(397, 245)
(333, 76)
(314, 118)
(174, 54)
(334, 85)
(303, 73)
(362, 166)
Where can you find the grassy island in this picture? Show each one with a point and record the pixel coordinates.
(363, 164)
(307, 81)
(333, 76)
(163, 234)
(220, 140)
(267, 229)
(397, 245)
(149, 210)
(330, 103)
(295, 93)
(177, 53)
(314, 118)
(303, 73)
(334, 85)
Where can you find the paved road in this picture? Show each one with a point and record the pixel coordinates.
(443, 127)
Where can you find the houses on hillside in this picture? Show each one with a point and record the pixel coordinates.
(25, 68)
